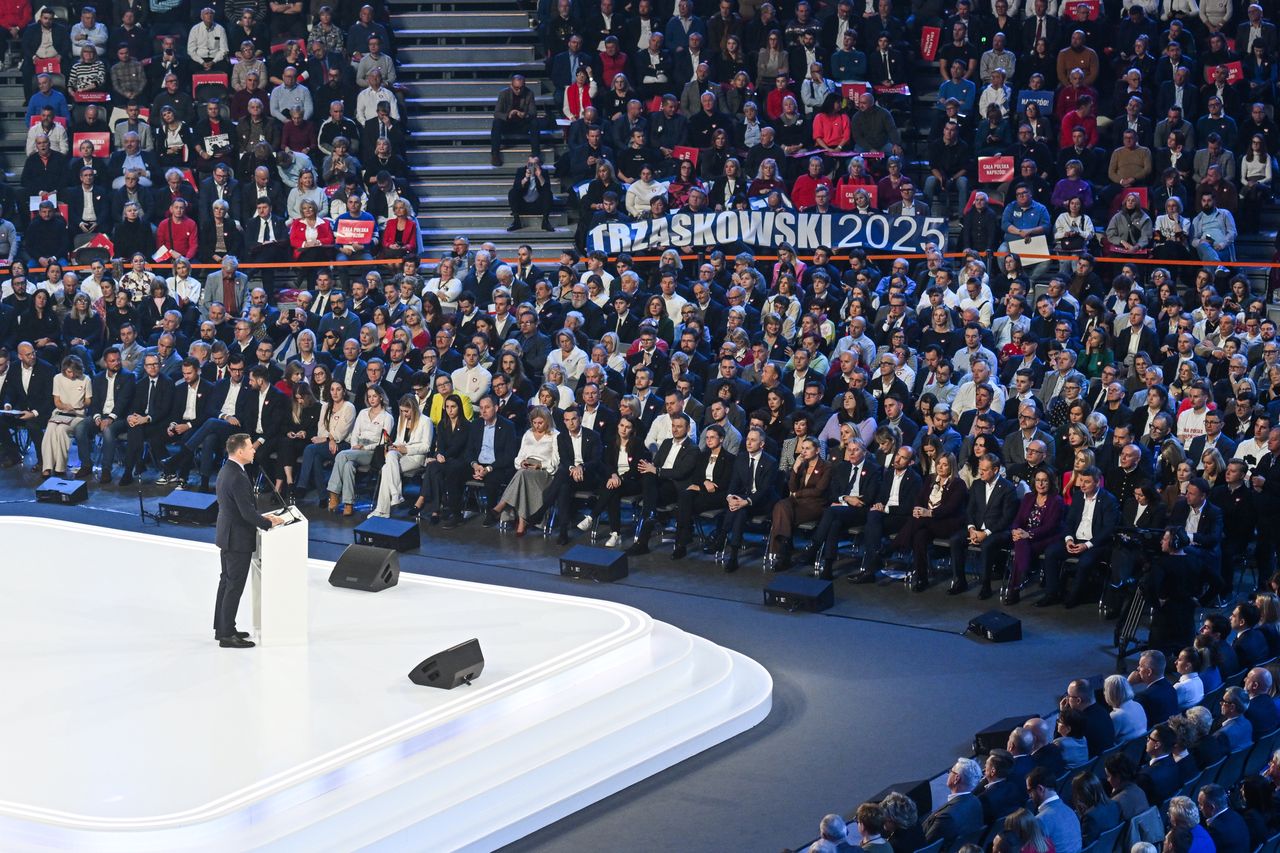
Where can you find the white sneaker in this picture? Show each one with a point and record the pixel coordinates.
(585, 524)
(613, 541)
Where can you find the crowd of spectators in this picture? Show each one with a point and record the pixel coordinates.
(805, 105)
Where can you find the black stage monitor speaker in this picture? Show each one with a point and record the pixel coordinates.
(800, 593)
(459, 665)
(365, 568)
(918, 792)
(56, 490)
(189, 506)
(594, 564)
(388, 533)
(996, 735)
(996, 626)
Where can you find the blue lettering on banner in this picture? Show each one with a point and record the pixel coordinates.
(768, 229)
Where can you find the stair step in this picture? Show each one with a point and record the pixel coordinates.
(462, 137)
(456, 88)
(487, 70)
(472, 18)
(483, 222)
(493, 35)
(450, 123)
(496, 56)
(479, 104)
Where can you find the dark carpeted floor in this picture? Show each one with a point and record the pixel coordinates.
(882, 688)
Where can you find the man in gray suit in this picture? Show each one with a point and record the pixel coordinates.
(213, 290)
(961, 815)
(236, 538)
(1056, 818)
(1064, 364)
(1015, 444)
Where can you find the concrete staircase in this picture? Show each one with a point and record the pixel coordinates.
(456, 55)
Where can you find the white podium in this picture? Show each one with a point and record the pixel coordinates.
(280, 602)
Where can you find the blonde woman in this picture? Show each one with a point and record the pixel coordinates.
(71, 398)
(337, 416)
(406, 455)
(536, 464)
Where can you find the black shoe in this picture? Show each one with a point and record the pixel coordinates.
(546, 224)
(958, 588)
(985, 593)
(1070, 603)
(449, 523)
(731, 564)
(563, 538)
(235, 642)
(862, 577)
(807, 555)
(1111, 613)
(715, 546)
(206, 488)
(919, 583)
(1012, 597)
(105, 478)
(679, 552)
(490, 518)
(244, 635)
(638, 548)
(126, 478)
(515, 225)
(1049, 600)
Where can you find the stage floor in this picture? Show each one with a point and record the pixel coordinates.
(128, 728)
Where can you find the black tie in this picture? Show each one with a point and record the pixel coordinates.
(151, 387)
(853, 479)
(753, 474)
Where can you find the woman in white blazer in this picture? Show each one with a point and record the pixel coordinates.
(407, 455)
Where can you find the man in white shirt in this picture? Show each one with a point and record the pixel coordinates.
(472, 379)
(1091, 522)
(662, 427)
(207, 44)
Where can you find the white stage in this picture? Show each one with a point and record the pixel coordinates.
(126, 728)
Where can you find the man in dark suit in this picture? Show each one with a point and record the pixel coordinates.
(1099, 731)
(148, 418)
(191, 400)
(1088, 538)
(1001, 793)
(992, 505)
(1225, 826)
(266, 412)
(1159, 776)
(1262, 713)
(1213, 438)
(227, 406)
(673, 469)
(490, 457)
(30, 390)
(580, 469)
(854, 482)
(1154, 692)
(81, 219)
(752, 490)
(1250, 644)
(1203, 522)
(890, 509)
(236, 537)
(266, 240)
(961, 815)
(112, 391)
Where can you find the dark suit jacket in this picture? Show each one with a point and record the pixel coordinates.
(124, 385)
(592, 454)
(38, 396)
(721, 474)
(1208, 535)
(1001, 798)
(505, 445)
(204, 395)
(1099, 731)
(1097, 820)
(1160, 781)
(161, 402)
(954, 819)
(1251, 647)
(908, 492)
(1229, 832)
(275, 413)
(1263, 715)
(763, 488)
(868, 480)
(684, 471)
(996, 514)
(75, 208)
(1106, 517)
(238, 517)
(1160, 701)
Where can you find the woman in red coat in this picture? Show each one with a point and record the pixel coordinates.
(310, 236)
(400, 234)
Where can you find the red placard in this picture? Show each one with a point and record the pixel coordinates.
(929, 38)
(994, 170)
(90, 97)
(1093, 6)
(849, 91)
(848, 191)
(353, 232)
(52, 65)
(198, 80)
(1235, 72)
(35, 119)
(685, 152)
(101, 142)
(895, 89)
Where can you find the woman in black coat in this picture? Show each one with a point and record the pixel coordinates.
(118, 314)
(82, 330)
(232, 239)
(624, 449)
(133, 234)
(447, 457)
(39, 325)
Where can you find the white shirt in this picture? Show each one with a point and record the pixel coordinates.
(670, 461)
(472, 381)
(1193, 519)
(575, 441)
(893, 501)
(1084, 532)
(855, 484)
(589, 418)
(229, 405)
(189, 411)
(109, 404)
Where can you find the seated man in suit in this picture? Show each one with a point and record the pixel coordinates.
(228, 405)
(1262, 713)
(1000, 793)
(673, 469)
(1202, 520)
(490, 457)
(753, 489)
(961, 815)
(1045, 753)
(266, 413)
(1091, 522)
(1154, 692)
(1250, 644)
(29, 390)
(890, 509)
(707, 494)
(1225, 826)
(1234, 729)
(1099, 731)
(854, 480)
(1159, 778)
(191, 400)
(580, 469)
(1056, 819)
(148, 418)
(112, 392)
(992, 505)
